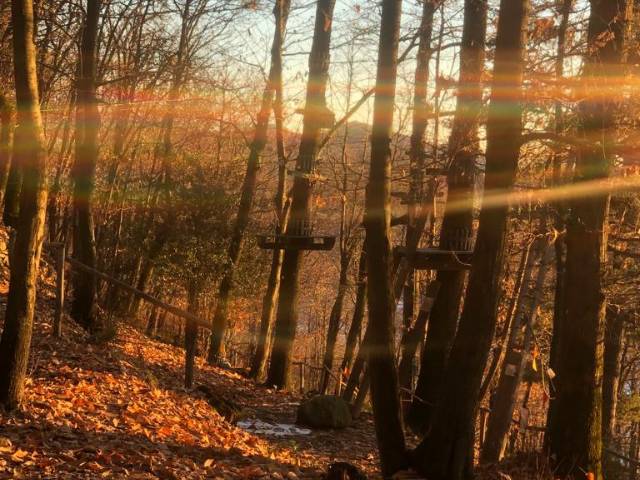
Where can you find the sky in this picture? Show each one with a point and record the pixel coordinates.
(354, 39)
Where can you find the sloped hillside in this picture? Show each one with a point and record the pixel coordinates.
(118, 410)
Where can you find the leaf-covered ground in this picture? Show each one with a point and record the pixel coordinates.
(119, 410)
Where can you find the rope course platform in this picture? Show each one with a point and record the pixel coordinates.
(455, 252)
(298, 236)
(296, 242)
(438, 259)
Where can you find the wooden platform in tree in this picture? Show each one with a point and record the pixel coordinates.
(436, 259)
(296, 242)
(311, 176)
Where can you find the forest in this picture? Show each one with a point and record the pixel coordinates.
(328, 239)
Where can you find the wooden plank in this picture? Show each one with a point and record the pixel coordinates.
(436, 259)
(178, 312)
(293, 242)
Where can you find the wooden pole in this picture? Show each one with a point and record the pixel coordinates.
(57, 316)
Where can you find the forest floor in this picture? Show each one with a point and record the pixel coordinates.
(119, 410)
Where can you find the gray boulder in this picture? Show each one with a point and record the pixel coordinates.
(324, 411)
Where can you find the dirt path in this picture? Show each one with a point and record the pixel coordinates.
(355, 444)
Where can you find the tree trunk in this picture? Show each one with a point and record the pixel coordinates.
(87, 129)
(11, 210)
(414, 337)
(522, 276)
(408, 302)
(152, 323)
(381, 359)
(417, 155)
(516, 359)
(614, 334)
(358, 368)
(165, 151)
(633, 449)
(463, 149)
(286, 318)
(358, 403)
(6, 138)
(561, 246)
(575, 428)
(56, 232)
(445, 453)
(334, 322)
(220, 320)
(400, 272)
(29, 153)
(403, 269)
(191, 336)
(146, 268)
(282, 206)
(420, 110)
(358, 316)
(265, 336)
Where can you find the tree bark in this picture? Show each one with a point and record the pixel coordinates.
(358, 316)
(522, 276)
(191, 336)
(614, 335)
(381, 359)
(287, 316)
(6, 139)
(445, 453)
(334, 321)
(11, 210)
(420, 108)
(414, 337)
(421, 111)
(161, 235)
(358, 402)
(265, 336)
(516, 358)
(575, 428)
(29, 153)
(152, 323)
(463, 149)
(401, 271)
(282, 206)
(220, 320)
(358, 368)
(559, 223)
(56, 231)
(633, 449)
(165, 151)
(84, 170)
(269, 300)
